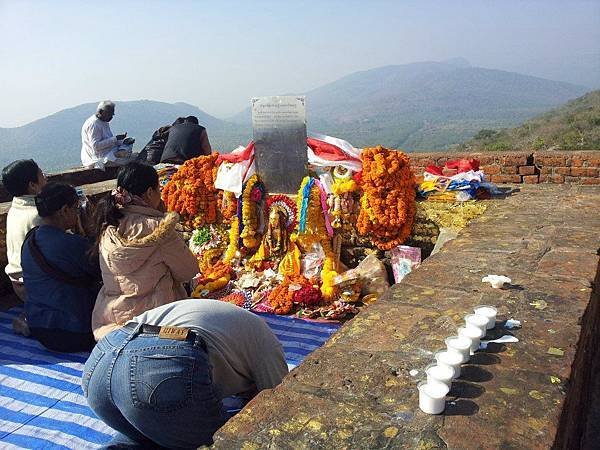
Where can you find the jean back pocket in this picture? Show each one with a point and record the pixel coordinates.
(161, 382)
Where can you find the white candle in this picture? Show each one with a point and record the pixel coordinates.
(472, 333)
(449, 359)
(432, 397)
(489, 312)
(440, 374)
(477, 321)
(460, 345)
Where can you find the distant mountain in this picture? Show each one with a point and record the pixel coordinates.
(55, 141)
(574, 126)
(419, 106)
(428, 105)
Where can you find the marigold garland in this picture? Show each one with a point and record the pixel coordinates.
(191, 191)
(281, 298)
(312, 228)
(234, 236)
(212, 279)
(388, 200)
(252, 194)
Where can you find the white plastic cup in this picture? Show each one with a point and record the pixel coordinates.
(472, 333)
(439, 374)
(432, 397)
(489, 312)
(475, 320)
(460, 345)
(449, 359)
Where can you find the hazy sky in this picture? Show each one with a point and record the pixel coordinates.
(217, 54)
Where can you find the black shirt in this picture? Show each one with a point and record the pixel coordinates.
(186, 141)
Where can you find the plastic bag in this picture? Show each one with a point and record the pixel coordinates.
(404, 260)
(371, 272)
(312, 261)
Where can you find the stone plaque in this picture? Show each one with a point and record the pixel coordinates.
(279, 125)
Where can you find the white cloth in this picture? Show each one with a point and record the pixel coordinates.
(353, 162)
(232, 176)
(22, 217)
(98, 145)
(242, 349)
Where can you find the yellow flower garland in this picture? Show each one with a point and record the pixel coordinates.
(249, 216)
(234, 236)
(316, 232)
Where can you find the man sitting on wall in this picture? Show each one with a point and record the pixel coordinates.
(99, 147)
(23, 180)
(186, 140)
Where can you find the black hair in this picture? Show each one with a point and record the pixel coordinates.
(179, 120)
(136, 177)
(17, 176)
(53, 197)
(191, 119)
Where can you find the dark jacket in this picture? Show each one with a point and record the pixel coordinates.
(53, 303)
(154, 149)
(186, 141)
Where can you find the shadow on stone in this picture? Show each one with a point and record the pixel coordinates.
(464, 389)
(475, 373)
(484, 358)
(461, 408)
(514, 287)
(493, 347)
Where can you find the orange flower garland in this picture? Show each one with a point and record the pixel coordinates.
(281, 298)
(388, 200)
(191, 191)
(250, 236)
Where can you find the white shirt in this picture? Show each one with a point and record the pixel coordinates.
(97, 141)
(242, 349)
(22, 217)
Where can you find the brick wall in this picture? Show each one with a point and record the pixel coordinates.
(523, 167)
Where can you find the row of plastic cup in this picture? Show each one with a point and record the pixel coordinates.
(432, 393)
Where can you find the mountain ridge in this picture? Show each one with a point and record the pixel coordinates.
(418, 107)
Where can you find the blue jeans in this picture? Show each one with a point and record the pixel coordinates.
(154, 391)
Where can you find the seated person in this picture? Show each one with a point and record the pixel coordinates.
(175, 379)
(61, 279)
(99, 147)
(143, 258)
(153, 150)
(22, 179)
(186, 140)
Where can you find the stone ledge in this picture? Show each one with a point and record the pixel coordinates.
(356, 391)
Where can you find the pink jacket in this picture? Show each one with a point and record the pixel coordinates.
(143, 263)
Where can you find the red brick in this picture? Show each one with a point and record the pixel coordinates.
(505, 178)
(531, 179)
(518, 159)
(572, 179)
(558, 179)
(543, 178)
(527, 170)
(590, 181)
(577, 161)
(545, 170)
(584, 171)
(550, 160)
(486, 160)
(509, 170)
(491, 170)
(562, 170)
(449, 172)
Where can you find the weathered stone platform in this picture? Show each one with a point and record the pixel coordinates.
(356, 391)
